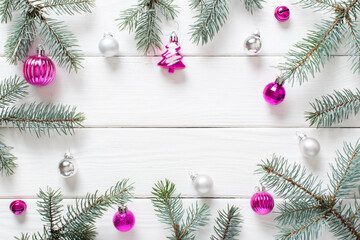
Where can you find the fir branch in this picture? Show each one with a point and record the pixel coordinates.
(211, 16)
(41, 119)
(7, 160)
(312, 52)
(320, 5)
(69, 7)
(197, 217)
(12, 89)
(353, 42)
(345, 173)
(252, 5)
(79, 222)
(62, 43)
(7, 7)
(144, 20)
(227, 224)
(21, 36)
(334, 108)
(169, 208)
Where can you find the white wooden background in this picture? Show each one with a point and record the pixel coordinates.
(146, 125)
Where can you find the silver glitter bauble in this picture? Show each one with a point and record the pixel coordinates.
(67, 166)
(108, 45)
(202, 183)
(309, 147)
(252, 44)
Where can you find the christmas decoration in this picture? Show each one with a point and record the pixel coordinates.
(309, 147)
(307, 204)
(144, 20)
(18, 207)
(211, 16)
(274, 93)
(67, 166)
(262, 202)
(124, 220)
(335, 108)
(33, 21)
(108, 45)
(39, 70)
(79, 221)
(172, 59)
(282, 13)
(252, 44)
(202, 183)
(38, 118)
(170, 211)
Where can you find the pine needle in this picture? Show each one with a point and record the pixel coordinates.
(228, 224)
(11, 90)
(7, 160)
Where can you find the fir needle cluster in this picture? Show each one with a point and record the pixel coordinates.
(37, 118)
(185, 223)
(34, 21)
(79, 220)
(308, 206)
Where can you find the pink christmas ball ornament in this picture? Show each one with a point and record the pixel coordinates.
(124, 220)
(262, 203)
(274, 93)
(172, 59)
(39, 70)
(282, 13)
(18, 207)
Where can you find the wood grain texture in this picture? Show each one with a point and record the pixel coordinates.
(147, 125)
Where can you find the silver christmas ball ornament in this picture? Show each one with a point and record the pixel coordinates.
(252, 44)
(108, 45)
(309, 147)
(67, 166)
(202, 183)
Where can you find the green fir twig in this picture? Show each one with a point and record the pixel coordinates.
(144, 20)
(79, 220)
(334, 108)
(308, 206)
(227, 224)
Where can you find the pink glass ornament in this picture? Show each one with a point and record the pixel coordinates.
(172, 58)
(39, 70)
(262, 203)
(18, 207)
(124, 220)
(274, 93)
(282, 13)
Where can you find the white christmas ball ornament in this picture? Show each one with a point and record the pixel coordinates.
(202, 183)
(309, 147)
(67, 166)
(108, 45)
(252, 44)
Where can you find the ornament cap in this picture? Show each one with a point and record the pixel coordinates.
(68, 155)
(301, 136)
(257, 33)
(122, 209)
(280, 81)
(260, 189)
(193, 175)
(174, 37)
(40, 50)
(108, 34)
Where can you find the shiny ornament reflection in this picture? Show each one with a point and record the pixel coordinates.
(252, 44)
(67, 166)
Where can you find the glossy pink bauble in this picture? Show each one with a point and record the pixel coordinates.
(274, 93)
(124, 220)
(39, 70)
(282, 13)
(18, 207)
(262, 203)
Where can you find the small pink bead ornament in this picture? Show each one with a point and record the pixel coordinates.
(262, 202)
(124, 220)
(282, 13)
(39, 70)
(172, 59)
(274, 93)
(18, 207)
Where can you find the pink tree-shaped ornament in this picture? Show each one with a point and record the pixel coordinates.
(172, 58)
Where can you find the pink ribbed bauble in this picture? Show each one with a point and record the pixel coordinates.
(39, 70)
(262, 203)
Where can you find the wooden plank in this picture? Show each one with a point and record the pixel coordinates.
(277, 37)
(147, 226)
(211, 92)
(105, 156)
